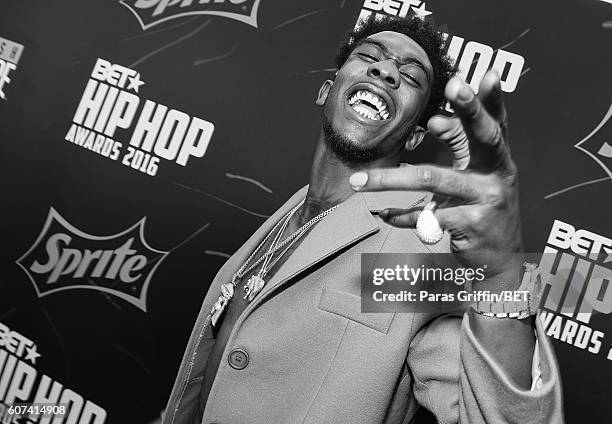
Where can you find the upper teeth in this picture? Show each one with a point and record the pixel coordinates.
(379, 103)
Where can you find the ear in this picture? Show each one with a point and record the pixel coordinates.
(323, 92)
(417, 136)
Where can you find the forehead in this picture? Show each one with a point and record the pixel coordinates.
(401, 46)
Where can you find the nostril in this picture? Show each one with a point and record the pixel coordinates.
(375, 72)
(390, 80)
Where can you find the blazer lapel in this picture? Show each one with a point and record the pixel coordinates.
(346, 225)
(237, 259)
(351, 222)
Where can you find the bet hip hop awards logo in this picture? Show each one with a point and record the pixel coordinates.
(65, 258)
(21, 380)
(158, 132)
(472, 58)
(397, 7)
(576, 269)
(153, 12)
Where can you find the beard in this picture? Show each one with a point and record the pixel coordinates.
(346, 150)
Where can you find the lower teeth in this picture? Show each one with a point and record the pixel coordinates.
(372, 116)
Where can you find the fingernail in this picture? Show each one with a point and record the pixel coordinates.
(384, 214)
(358, 180)
(465, 93)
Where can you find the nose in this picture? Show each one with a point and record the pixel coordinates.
(386, 71)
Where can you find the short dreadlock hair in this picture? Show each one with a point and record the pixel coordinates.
(425, 33)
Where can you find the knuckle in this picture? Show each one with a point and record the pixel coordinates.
(427, 176)
(456, 135)
(495, 195)
(381, 179)
(474, 110)
(498, 135)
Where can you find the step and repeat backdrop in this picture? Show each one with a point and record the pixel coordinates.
(143, 141)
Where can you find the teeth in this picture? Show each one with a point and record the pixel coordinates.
(366, 112)
(379, 103)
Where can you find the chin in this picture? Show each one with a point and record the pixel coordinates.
(350, 147)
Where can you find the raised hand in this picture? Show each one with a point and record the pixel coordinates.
(481, 211)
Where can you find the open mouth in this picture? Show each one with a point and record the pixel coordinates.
(369, 105)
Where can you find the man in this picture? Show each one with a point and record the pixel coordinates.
(281, 337)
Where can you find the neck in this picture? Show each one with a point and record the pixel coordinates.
(329, 179)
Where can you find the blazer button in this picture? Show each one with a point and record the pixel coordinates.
(238, 359)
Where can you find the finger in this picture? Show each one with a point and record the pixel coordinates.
(402, 218)
(408, 218)
(410, 215)
(450, 132)
(488, 149)
(453, 220)
(478, 125)
(436, 179)
(491, 96)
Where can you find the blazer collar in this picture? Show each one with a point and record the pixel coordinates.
(349, 223)
(237, 259)
(340, 222)
(234, 263)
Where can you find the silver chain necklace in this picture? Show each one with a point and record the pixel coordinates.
(257, 282)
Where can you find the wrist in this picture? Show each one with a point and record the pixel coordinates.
(513, 294)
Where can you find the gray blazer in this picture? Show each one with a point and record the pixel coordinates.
(312, 357)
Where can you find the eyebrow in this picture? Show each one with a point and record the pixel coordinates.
(387, 52)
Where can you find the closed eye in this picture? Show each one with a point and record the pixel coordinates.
(368, 56)
(411, 78)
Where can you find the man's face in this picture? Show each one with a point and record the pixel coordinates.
(379, 93)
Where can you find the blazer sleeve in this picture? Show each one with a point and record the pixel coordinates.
(460, 382)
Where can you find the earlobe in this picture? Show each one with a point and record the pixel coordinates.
(417, 136)
(323, 92)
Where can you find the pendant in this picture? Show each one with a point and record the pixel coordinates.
(428, 227)
(227, 292)
(253, 286)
